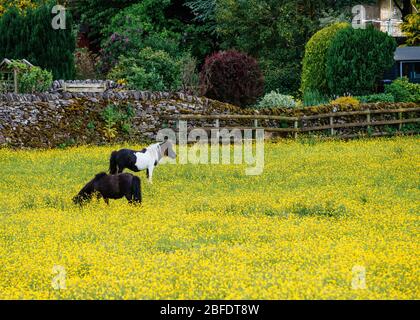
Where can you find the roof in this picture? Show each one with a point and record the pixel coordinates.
(8, 62)
(407, 54)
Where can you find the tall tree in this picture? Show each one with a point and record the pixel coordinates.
(94, 15)
(405, 6)
(30, 36)
(411, 25)
(275, 32)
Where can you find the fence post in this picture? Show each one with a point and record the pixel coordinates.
(400, 117)
(332, 123)
(368, 120)
(296, 126)
(254, 134)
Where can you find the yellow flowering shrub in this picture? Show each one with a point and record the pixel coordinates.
(298, 231)
(346, 101)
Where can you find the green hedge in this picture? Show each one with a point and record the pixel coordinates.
(357, 60)
(314, 77)
(373, 98)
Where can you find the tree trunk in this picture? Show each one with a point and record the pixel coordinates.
(404, 6)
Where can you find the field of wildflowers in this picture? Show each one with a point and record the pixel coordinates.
(320, 210)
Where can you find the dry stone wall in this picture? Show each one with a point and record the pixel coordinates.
(56, 119)
(52, 119)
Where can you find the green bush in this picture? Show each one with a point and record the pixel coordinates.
(380, 97)
(136, 27)
(357, 60)
(32, 79)
(404, 91)
(149, 70)
(314, 98)
(314, 62)
(117, 117)
(276, 100)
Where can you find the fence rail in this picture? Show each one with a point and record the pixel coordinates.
(299, 122)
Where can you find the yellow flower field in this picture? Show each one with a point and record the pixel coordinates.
(320, 212)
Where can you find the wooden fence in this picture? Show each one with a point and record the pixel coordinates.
(296, 125)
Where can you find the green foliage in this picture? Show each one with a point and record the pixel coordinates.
(161, 25)
(199, 34)
(85, 64)
(275, 99)
(204, 10)
(149, 70)
(404, 91)
(189, 75)
(95, 14)
(91, 126)
(353, 67)
(275, 32)
(411, 26)
(110, 116)
(272, 30)
(314, 98)
(135, 28)
(30, 36)
(328, 209)
(32, 79)
(380, 97)
(411, 29)
(117, 117)
(314, 75)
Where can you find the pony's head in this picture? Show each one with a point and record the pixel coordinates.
(85, 195)
(167, 149)
(87, 191)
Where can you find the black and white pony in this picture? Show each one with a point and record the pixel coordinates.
(111, 187)
(146, 159)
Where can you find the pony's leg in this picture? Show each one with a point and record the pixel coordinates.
(150, 174)
(129, 196)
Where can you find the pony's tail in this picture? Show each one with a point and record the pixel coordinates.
(113, 166)
(136, 189)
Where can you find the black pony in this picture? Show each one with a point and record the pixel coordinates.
(111, 187)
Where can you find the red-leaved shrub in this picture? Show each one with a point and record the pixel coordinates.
(233, 77)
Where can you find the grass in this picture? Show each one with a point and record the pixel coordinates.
(211, 232)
